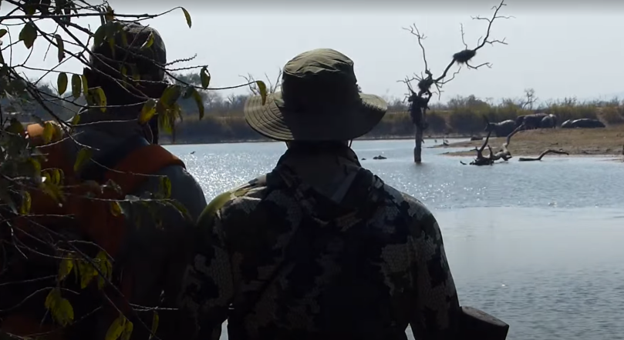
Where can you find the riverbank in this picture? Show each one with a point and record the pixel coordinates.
(607, 142)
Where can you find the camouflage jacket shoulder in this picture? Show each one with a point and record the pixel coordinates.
(226, 199)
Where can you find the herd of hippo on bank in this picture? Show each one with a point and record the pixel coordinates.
(539, 121)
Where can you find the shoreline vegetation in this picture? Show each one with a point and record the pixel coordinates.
(459, 117)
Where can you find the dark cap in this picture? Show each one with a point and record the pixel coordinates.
(148, 62)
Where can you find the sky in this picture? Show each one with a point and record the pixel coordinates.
(560, 49)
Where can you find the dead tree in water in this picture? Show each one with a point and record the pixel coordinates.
(420, 100)
(539, 158)
(492, 157)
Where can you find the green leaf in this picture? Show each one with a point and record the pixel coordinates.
(26, 203)
(116, 328)
(129, 327)
(3, 32)
(65, 313)
(85, 85)
(66, 266)
(61, 82)
(58, 176)
(55, 176)
(28, 34)
(76, 119)
(165, 186)
(87, 273)
(171, 95)
(36, 167)
(187, 16)
(164, 123)
(76, 86)
(52, 190)
(105, 266)
(97, 97)
(61, 47)
(155, 321)
(263, 90)
(148, 111)
(149, 42)
(48, 132)
(60, 308)
(181, 209)
(52, 298)
(115, 209)
(199, 101)
(205, 77)
(101, 97)
(84, 155)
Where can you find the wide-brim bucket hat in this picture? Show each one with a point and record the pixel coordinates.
(319, 101)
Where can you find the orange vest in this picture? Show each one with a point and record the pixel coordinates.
(94, 220)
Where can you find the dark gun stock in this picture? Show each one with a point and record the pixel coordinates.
(479, 325)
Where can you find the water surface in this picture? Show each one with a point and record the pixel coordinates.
(537, 244)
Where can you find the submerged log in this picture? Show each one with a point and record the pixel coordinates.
(539, 158)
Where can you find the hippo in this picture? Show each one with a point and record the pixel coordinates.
(583, 123)
(501, 129)
(549, 122)
(567, 124)
(532, 121)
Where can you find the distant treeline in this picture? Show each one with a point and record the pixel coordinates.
(460, 116)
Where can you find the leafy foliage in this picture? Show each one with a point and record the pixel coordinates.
(77, 265)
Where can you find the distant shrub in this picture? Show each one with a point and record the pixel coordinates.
(612, 115)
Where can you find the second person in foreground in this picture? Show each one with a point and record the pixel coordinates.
(319, 248)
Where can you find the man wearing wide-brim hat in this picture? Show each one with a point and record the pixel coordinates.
(319, 248)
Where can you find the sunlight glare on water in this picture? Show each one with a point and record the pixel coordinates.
(536, 244)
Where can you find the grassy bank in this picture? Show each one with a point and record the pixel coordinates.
(458, 118)
(233, 129)
(584, 142)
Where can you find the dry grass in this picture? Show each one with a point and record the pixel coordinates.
(604, 142)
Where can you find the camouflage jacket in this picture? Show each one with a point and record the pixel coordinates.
(319, 248)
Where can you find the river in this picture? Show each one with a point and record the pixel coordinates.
(539, 245)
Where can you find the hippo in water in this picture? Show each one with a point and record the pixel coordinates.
(583, 123)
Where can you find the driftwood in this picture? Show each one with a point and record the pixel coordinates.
(492, 157)
(419, 100)
(504, 153)
(539, 158)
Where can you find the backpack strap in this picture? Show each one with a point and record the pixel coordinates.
(138, 165)
(97, 171)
